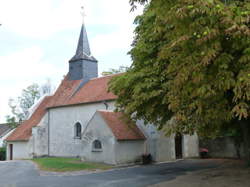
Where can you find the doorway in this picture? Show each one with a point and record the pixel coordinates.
(11, 151)
(178, 146)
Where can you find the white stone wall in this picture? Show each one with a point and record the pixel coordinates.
(62, 141)
(128, 151)
(151, 134)
(21, 150)
(161, 148)
(39, 138)
(59, 124)
(165, 148)
(97, 129)
(190, 146)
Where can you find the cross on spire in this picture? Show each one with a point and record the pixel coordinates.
(83, 13)
(83, 49)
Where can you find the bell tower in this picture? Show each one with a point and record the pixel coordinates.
(83, 65)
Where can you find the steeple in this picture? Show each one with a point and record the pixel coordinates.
(83, 65)
(83, 49)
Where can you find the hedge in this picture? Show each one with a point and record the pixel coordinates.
(2, 153)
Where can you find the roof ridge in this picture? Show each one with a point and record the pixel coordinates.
(106, 111)
(106, 76)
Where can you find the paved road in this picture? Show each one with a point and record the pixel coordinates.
(25, 174)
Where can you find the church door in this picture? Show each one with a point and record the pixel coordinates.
(178, 146)
(11, 151)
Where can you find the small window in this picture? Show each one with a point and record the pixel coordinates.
(78, 130)
(97, 145)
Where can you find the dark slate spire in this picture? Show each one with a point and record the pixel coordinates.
(83, 65)
(83, 49)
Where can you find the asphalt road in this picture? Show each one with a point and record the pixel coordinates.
(25, 174)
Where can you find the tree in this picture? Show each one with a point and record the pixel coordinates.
(111, 71)
(191, 63)
(20, 107)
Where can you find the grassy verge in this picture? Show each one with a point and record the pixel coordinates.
(67, 164)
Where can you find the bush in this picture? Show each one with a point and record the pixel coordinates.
(146, 159)
(2, 153)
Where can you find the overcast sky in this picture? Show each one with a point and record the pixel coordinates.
(38, 37)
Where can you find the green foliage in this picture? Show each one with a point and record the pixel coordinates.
(134, 2)
(20, 107)
(11, 120)
(2, 153)
(191, 63)
(66, 164)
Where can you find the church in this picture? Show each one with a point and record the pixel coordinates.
(78, 120)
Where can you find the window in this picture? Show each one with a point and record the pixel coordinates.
(97, 145)
(78, 130)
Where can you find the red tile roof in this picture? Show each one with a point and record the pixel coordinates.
(122, 129)
(23, 131)
(93, 91)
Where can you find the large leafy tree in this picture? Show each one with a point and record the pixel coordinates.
(191, 64)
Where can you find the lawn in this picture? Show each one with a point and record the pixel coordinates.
(67, 164)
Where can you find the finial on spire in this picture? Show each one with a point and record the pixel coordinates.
(83, 13)
(83, 49)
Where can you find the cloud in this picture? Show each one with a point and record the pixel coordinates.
(35, 24)
(25, 64)
(20, 69)
(42, 19)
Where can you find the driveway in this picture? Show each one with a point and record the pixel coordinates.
(24, 174)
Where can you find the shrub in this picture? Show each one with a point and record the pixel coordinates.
(2, 153)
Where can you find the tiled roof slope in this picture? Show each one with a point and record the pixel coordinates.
(64, 92)
(93, 91)
(120, 128)
(4, 128)
(23, 131)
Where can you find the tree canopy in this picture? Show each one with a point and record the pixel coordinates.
(191, 63)
(21, 105)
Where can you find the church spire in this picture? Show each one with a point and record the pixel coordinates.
(83, 49)
(83, 66)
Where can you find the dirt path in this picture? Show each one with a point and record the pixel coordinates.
(232, 173)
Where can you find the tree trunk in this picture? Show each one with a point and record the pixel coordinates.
(245, 126)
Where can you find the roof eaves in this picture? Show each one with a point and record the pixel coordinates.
(83, 103)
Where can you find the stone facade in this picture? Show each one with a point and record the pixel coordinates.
(222, 147)
(55, 136)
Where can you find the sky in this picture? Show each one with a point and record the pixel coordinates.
(38, 38)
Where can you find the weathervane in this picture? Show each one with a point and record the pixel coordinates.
(83, 13)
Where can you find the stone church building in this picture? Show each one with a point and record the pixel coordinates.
(79, 121)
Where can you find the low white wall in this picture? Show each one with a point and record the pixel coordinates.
(98, 130)
(165, 148)
(190, 146)
(21, 150)
(39, 138)
(129, 151)
(222, 147)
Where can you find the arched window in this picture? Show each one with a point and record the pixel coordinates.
(78, 130)
(97, 145)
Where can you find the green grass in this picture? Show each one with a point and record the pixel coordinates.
(67, 164)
